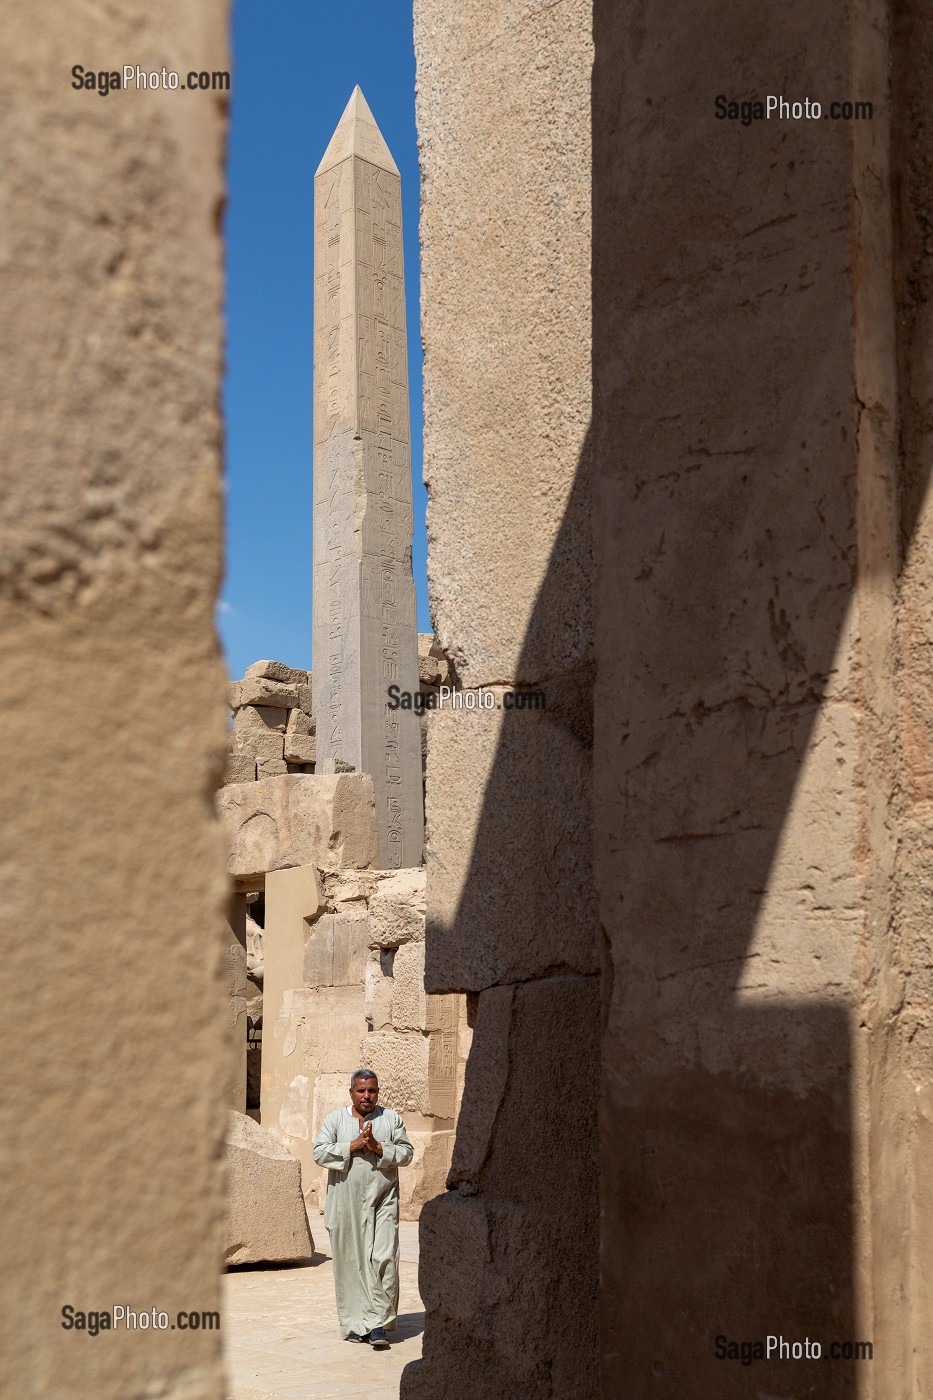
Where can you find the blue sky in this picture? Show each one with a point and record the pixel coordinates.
(295, 64)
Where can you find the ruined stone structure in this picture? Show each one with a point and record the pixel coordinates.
(695, 937)
(333, 975)
(343, 987)
(274, 730)
(365, 627)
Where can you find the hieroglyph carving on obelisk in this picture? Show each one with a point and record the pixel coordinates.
(365, 625)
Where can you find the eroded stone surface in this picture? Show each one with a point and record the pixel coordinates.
(256, 690)
(300, 748)
(510, 902)
(259, 741)
(397, 908)
(266, 1217)
(275, 671)
(260, 717)
(325, 821)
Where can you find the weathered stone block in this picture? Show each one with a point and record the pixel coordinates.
(271, 767)
(275, 671)
(324, 820)
(345, 890)
(299, 723)
(300, 748)
(233, 695)
(241, 768)
(315, 1029)
(259, 718)
(401, 1062)
(266, 1217)
(304, 698)
(396, 909)
(337, 951)
(259, 743)
(408, 997)
(442, 1013)
(426, 1174)
(490, 1271)
(429, 671)
(442, 1074)
(258, 691)
(335, 1028)
(379, 985)
(482, 766)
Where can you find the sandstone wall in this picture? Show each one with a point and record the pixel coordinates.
(762, 802)
(898, 1003)
(113, 1113)
(766, 1050)
(508, 1262)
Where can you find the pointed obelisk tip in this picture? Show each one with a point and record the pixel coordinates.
(357, 135)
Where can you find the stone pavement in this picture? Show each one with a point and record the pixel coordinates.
(281, 1338)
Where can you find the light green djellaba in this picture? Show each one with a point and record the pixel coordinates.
(361, 1215)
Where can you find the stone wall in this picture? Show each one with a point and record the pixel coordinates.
(317, 819)
(356, 994)
(762, 813)
(343, 967)
(761, 755)
(509, 1252)
(114, 1110)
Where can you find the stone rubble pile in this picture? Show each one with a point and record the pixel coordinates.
(433, 667)
(273, 728)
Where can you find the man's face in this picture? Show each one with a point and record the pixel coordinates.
(365, 1095)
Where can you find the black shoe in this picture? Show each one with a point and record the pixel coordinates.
(352, 1337)
(378, 1339)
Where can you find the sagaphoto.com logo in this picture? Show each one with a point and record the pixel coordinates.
(130, 77)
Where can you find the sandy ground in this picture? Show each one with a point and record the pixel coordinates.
(281, 1336)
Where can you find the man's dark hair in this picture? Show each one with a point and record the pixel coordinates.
(362, 1074)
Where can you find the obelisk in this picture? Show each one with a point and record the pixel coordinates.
(365, 636)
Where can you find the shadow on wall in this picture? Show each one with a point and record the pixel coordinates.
(509, 1253)
(728, 801)
(730, 791)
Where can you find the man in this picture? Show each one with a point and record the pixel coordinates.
(363, 1147)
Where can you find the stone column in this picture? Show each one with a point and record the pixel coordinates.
(365, 629)
(509, 1253)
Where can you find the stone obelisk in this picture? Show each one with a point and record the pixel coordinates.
(365, 626)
